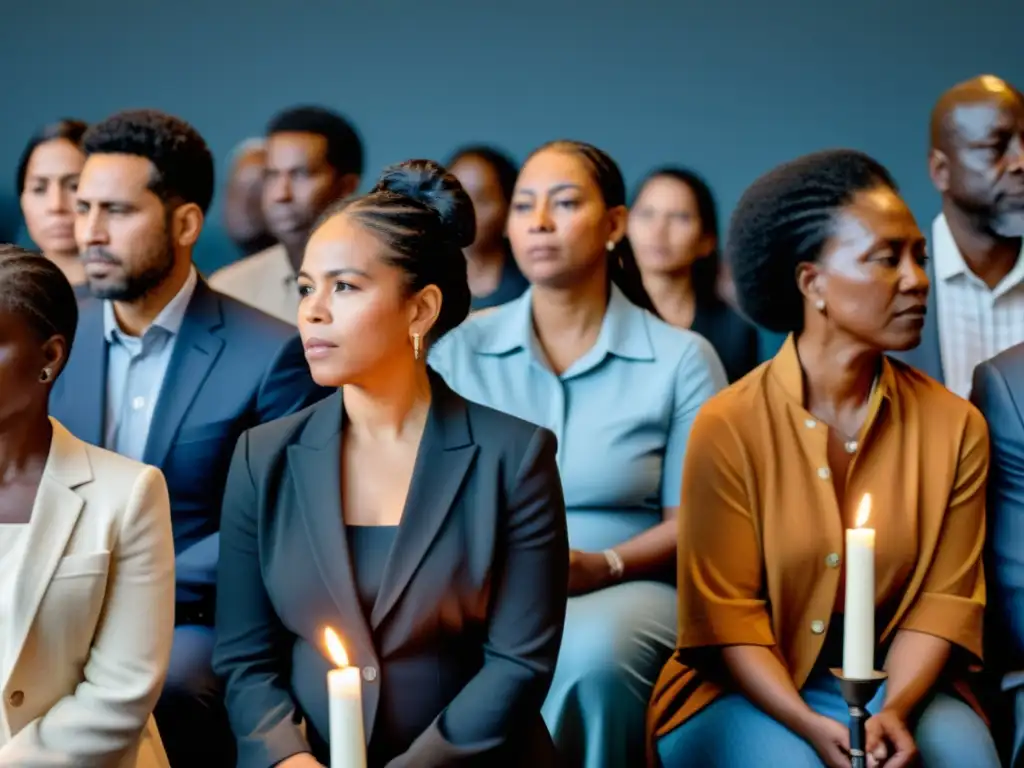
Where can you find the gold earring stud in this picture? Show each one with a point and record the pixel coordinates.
(45, 375)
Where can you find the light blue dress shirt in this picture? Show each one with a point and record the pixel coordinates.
(136, 370)
(622, 412)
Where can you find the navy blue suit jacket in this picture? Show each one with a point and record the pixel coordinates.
(232, 368)
(998, 392)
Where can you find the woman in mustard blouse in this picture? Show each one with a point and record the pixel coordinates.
(824, 248)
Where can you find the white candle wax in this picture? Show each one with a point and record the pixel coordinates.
(859, 617)
(348, 745)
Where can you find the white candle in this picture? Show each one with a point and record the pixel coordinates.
(859, 617)
(345, 694)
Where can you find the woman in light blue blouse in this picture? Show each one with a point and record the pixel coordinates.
(620, 389)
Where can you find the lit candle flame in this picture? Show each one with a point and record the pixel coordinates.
(863, 511)
(335, 648)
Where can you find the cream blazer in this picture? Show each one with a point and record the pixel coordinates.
(93, 615)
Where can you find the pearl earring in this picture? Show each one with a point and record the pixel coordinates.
(610, 246)
(820, 305)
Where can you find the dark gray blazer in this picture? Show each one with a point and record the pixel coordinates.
(460, 647)
(998, 392)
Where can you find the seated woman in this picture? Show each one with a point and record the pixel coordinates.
(46, 182)
(86, 553)
(825, 248)
(429, 531)
(489, 176)
(620, 389)
(673, 229)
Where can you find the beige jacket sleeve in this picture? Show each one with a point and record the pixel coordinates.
(101, 721)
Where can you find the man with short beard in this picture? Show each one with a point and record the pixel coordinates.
(976, 307)
(170, 373)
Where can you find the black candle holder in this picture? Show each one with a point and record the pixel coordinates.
(857, 694)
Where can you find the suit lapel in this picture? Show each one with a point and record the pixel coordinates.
(54, 515)
(80, 396)
(195, 351)
(315, 466)
(444, 457)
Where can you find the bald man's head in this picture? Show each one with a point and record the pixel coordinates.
(977, 153)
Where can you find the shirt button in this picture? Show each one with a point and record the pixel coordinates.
(824, 473)
(17, 698)
(138, 403)
(810, 423)
(851, 446)
(818, 626)
(832, 561)
(369, 674)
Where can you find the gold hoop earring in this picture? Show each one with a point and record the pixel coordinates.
(45, 375)
(416, 346)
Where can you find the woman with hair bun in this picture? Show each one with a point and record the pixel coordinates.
(428, 531)
(825, 249)
(579, 354)
(46, 181)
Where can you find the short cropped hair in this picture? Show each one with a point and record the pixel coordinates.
(344, 147)
(785, 218)
(182, 160)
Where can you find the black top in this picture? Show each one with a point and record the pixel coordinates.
(734, 339)
(511, 287)
(369, 546)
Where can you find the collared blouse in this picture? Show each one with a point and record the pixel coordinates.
(622, 412)
(761, 530)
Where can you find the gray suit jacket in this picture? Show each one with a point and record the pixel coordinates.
(999, 393)
(459, 649)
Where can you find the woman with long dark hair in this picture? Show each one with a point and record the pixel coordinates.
(489, 176)
(673, 230)
(47, 178)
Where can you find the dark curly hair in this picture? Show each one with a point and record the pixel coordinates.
(622, 268)
(344, 147)
(785, 218)
(34, 287)
(425, 218)
(68, 128)
(182, 163)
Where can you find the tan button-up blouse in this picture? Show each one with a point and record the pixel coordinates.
(761, 530)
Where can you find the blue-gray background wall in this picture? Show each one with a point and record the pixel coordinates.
(728, 87)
